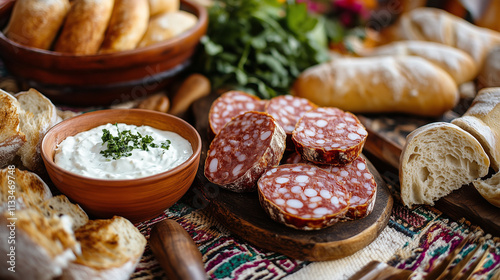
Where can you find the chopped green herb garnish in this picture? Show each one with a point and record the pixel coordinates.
(123, 144)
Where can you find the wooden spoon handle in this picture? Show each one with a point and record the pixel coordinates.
(176, 251)
(194, 87)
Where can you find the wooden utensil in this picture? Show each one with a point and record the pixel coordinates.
(194, 87)
(176, 252)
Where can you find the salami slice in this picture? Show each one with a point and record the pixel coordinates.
(231, 104)
(302, 196)
(328, 135)
(287, 110)
(243, 149)
(358, 181)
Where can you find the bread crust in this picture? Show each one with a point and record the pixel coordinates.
(157, 7)
(382, 84)
(11, 137)
(127, 25)
(482, 121)
(35, 23)
(437, 159)
(84, 28)
(457, 63)
(167, 25)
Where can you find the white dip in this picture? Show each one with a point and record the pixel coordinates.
(80, 154)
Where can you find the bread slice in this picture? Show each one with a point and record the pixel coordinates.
(111, 249)
(39, 114)
(482, 120)
(60, 205)
(437, 159)
(43, 246)
(11, 137)
(489, 189)
(29, 190)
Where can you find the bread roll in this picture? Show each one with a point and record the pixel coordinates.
(489, 74)
(35, 23)
(111, 249)
(11, 136)
(455, 62)
(127, 25)
(437, 159)
(166, 26)
(436, 25)
(482, 120)
(382, 84)
(84, 28)
(489, 189)
(157, 7)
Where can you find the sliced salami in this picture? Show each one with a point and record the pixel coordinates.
(243, 149)
(287, 110)
(302, 196)
(357, 179)
(231, 104)
(328, 135)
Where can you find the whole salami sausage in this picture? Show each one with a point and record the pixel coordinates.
(243, 149)
(358, 181)
(287, 110)
(328, 135)
(229, 105)
(302, 196)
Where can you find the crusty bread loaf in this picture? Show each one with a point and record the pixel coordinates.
(60, 205)
(167, 25)
(38, 116)
(489, 73)
(110, 250)
(11, 137)
(482, 120)
(29, 189)
(43, 246)
(157, 7)
(381, 84)
(437, 159)
(84, 28)
(436, 25)
(35, 23)
(455, 62)
(489, 189)
(127, 25)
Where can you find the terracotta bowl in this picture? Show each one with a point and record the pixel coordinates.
(135, 199)
(105, 78)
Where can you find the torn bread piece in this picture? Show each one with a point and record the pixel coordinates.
(437, 159)
(11, 136)
(43, 246)
(111, 249)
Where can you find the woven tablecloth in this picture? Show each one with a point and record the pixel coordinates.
(413, 239)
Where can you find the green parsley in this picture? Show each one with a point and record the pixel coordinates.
(123, 144)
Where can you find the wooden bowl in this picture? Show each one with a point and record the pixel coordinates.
(135, 199)
(102, 79)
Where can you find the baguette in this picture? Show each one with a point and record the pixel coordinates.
(37, 117)
(84, 28)
(436, 25)
(382, 84)
(437, 159)
(43, 246)
(167, 25)
(455, 62)
(111, 249)
(35, 23)
(11, 136)
(482, 120)
(127, 25)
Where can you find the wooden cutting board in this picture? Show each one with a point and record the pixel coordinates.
(243, 215)
(386, 138)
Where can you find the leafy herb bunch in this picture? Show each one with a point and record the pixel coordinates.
(260, 46)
